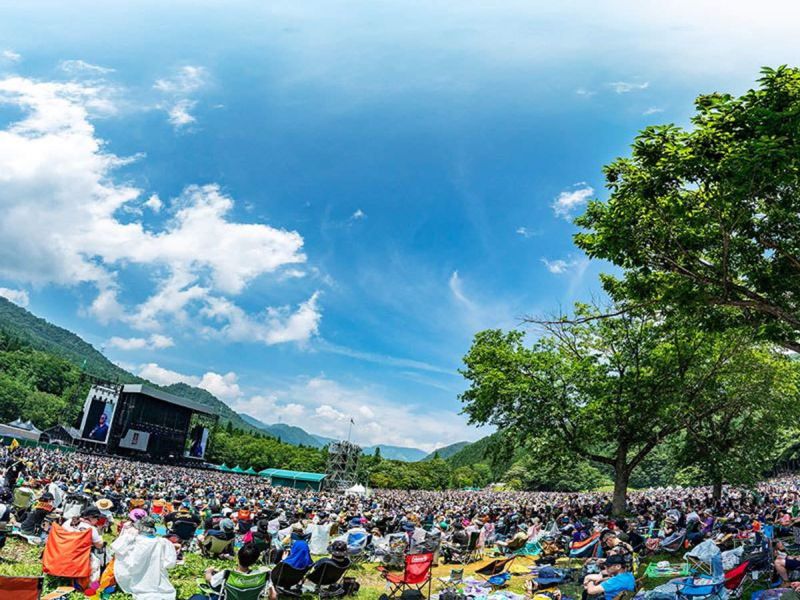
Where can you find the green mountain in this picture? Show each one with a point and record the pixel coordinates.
(447, 451)
(41, 335)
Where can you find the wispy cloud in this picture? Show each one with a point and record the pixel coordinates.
(559, 266)
(179, 115)
(381, 359)
(526, 233)
(457, 289)
(76, 67)
(180, 89)
(653, 110)
(584, 93)
(10, 56)
(569, 201)
(625, 87)
(358, 215)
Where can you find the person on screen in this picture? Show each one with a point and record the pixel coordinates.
(100, 430)
(197, 449)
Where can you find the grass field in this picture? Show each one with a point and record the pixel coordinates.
(20, 558)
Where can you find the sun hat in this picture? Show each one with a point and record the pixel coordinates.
(136, 514)
(104, 504)
(227, 525)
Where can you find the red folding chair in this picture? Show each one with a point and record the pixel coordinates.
(735, 579)
(20, 588)
(417, 575)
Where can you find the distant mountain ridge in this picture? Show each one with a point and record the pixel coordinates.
(300, 437)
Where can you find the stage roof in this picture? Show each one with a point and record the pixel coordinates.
(136, 388)
(298, 475)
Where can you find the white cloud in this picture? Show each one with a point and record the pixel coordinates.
(457, 289)
(275, 326)
(525, 232)
(10, 56)
(188, 79)
(154, 342)
(358, 215)
(179, 89)
(154, 203)
(625, 87)
(584, 93)
(179, 115)
(558, 266)
(653, 110)
(569, 201)
(161, 376)
(76, 67)
(225, 387)
(324, 406)
(60, 203)
(19, 297)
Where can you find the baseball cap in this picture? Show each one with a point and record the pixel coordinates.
(615, 559)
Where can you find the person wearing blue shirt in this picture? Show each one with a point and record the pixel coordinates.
(613, 580)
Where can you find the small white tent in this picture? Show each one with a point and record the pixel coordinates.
(356, 490)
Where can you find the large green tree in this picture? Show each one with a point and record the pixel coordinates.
(608, 390)
(707, 219)
(739, 442)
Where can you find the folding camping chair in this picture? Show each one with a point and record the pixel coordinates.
(417, 575)
(325, 579)
(453, 580)
(735, 579)
(674, 542)
(240, 586)
(696, 588)
(587, 548)
(184, 531)
(469, 553)
(496, 572)
(287, 580)
(213, 547)
(21, 588)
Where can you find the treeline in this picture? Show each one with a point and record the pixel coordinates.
(260, 451)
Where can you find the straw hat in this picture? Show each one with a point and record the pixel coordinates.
(104, 504)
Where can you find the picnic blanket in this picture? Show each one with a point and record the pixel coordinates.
(663, 569)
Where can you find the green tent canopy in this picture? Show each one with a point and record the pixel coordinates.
(223, 467)
(250, 471)
(237, 469)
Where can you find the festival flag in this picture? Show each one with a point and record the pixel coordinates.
(14, 444)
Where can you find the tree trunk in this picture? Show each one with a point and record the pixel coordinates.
(621, 476)
(717, 491)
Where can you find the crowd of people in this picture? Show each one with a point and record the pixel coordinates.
(153, 513)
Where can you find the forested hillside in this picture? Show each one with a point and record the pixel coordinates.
(37, 334)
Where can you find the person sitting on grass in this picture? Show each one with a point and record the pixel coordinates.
(142, 560)
(247, 556)
(785, 563)
(614, 579)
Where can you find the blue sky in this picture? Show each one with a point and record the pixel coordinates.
(309, 208)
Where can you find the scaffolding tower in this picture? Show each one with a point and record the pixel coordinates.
(342, 465)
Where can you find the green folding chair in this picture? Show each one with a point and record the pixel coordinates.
(240, 586)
